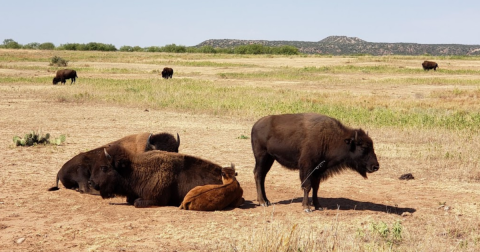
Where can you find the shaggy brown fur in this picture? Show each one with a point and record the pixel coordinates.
(167, 73)
(154, 178)
(215, 197)
(75, 173)
(427, 65)
(63, 75)
(317, 145)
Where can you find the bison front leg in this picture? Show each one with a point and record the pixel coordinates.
(315, 187)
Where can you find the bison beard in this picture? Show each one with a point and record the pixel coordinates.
(154, 178)
(302, 142)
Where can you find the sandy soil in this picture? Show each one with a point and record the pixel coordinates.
(33, 219)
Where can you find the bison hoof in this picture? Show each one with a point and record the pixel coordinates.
(307, 210)
(265, 204)
(319, 208)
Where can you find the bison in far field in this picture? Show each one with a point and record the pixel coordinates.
(63, 75)
(216, 197)
(167, 73)
(154, 178)
(75, 173)
(317, 145)
(427, 65)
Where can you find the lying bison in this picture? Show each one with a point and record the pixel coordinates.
(76, 172)
(215, 197)
(317, 145)
(427, 65)
(167, 73)
(63, 75)
(154, 178)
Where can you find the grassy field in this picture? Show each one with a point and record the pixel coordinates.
(423, 122)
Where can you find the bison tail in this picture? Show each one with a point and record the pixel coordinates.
(55, 188)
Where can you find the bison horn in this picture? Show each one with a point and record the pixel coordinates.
(356, 133)
(106, 153)
(232, 165)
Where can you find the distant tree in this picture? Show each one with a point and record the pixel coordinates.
(11, 44)
(174, 48)
(126, 49)
(207, 49)
(46, 46)
(33, 45)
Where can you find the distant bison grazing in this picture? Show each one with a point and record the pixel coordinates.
(154, 178)
(167, 73)
(63, 75)
(75, 173)
(215, 197)
(317, 145)
(427, 65)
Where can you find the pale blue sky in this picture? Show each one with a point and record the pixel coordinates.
(158, 23)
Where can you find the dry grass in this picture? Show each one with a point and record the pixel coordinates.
(425, 123)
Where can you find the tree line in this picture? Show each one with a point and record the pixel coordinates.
(172, 48)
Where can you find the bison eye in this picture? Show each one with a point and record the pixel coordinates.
(104, 168)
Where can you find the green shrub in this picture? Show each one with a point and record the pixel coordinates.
(34, 138)
(33, 45)
(11, 44)
(57, 61)
(46, 46)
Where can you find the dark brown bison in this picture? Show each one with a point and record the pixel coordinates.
(427, 65)
(317, 145)
(215, 197)
(75, 173)
(167, 73)
(154, 178)
(63, 75)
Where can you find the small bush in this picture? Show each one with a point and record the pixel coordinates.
(57, 61)
(34, 138)
(46, 46)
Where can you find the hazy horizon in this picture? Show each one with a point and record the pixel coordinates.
(159, 23)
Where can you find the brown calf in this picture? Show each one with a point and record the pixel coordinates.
(215, 197)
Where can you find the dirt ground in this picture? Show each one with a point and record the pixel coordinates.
(34, 219)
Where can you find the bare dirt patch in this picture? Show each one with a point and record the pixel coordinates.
(436, 214)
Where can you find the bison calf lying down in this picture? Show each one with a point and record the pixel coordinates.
(154, 178)
(215, 197)
(63, 75)
(76, 172)
(167, 73)
(427, 65)
(317, 145)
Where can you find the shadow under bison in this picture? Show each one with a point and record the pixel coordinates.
(349, 204)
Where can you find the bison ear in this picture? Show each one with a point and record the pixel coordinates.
(352, 144)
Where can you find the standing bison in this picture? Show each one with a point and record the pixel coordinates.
(216, 197)
(167, 73)
(317, 145)
(63, 75)
(427, 65)
(154, 178)
(75, 173)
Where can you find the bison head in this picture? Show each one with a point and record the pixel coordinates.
(109, 172)
(55, 80)
(362, 157)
